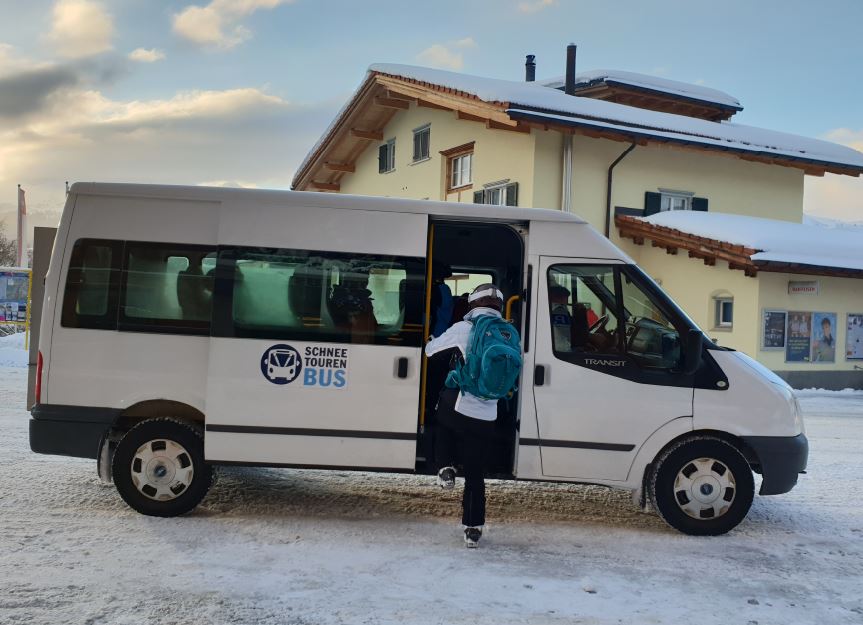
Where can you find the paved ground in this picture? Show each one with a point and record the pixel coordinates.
(281, 546)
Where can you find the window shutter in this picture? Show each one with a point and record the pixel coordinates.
(652, 203)
(478, 197)
(512, 194)
(417, 146)
(383, 158)
(699, 204)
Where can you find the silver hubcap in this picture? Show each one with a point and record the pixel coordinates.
(705, 488)
(162, 469)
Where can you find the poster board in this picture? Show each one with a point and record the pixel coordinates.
(14, 288)
(773, 327)
(823, 337)
(854, 337)
(798, 345)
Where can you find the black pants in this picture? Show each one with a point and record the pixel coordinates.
(465, 440)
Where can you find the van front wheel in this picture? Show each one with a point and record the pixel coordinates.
(702, 486)
(159, 467)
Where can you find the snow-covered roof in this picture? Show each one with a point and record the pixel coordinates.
(650, 83)
(533, 101)
(773, 240)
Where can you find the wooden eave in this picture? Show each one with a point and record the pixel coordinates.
(365, 117)
(657, 101)
(738, 257)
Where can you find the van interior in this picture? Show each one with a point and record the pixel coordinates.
(465, 255)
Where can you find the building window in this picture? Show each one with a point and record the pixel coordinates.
(387, 156)
(460, 168)
(502, 194)
(422, 137)
(675, 200)
(672, 200)
(724, 312)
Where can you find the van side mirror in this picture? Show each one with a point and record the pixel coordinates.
(692, 347)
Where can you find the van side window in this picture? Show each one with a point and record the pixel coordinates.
(167, 288)
(598, 309)
(583, 309)
(324, 296)
(92, 285)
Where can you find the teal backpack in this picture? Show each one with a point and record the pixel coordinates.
(493, 360)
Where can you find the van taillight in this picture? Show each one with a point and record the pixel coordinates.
(39, 378)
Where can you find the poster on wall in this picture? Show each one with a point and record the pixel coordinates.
(798, 345)
(854, 337)
(823, 337)
(773, 329)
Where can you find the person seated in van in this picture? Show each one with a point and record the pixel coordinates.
(561, 319)
(351, 307)
(465, 421)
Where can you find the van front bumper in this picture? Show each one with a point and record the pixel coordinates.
(75, 431)
(782, 459)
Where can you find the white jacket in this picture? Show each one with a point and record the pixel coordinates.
(458, 335)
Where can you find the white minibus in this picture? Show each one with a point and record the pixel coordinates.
(187, 327)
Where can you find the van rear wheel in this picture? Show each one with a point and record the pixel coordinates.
(702, 486)
(159, 467)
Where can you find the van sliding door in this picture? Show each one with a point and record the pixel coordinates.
(316, 355)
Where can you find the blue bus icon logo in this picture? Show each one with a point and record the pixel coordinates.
(281, 364)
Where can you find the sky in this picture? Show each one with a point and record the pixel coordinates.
(235, 92)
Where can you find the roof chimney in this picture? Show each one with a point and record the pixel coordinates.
(529, 68)
(569, 89)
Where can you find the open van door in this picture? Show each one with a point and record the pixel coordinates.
(317, 338)
(607, 367)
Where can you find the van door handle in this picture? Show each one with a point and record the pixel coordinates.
(402, 367)
(539, 375)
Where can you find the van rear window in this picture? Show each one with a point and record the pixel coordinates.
(92, 285)
(324, 296)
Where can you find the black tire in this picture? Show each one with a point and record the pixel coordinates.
(672, 499)
(184, 496)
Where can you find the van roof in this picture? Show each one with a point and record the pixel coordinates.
(325, 200)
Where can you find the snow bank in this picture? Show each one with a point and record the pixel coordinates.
(654, 83)
(12, 352)
(536, 99)
(780, 241)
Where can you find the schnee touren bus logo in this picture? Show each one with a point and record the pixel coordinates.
(319, 366)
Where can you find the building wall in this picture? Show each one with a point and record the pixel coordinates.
(731, 185)
(836, 295)
(694, 285)
(498, 155)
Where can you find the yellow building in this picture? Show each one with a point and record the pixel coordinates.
(624, 151)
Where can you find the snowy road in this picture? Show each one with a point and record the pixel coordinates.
(283, 546)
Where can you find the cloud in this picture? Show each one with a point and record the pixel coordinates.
(80, 28)
(446, 55)
(535, 5)
(846, 136)
(243, 136)
(834, 196)
(216, 25)
(143, 55)
(27, 87)
(26, 92)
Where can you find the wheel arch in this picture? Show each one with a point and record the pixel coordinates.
(666, 437)
(152, 408)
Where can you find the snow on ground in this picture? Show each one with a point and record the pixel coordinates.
(12, 352)
(291, 547)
